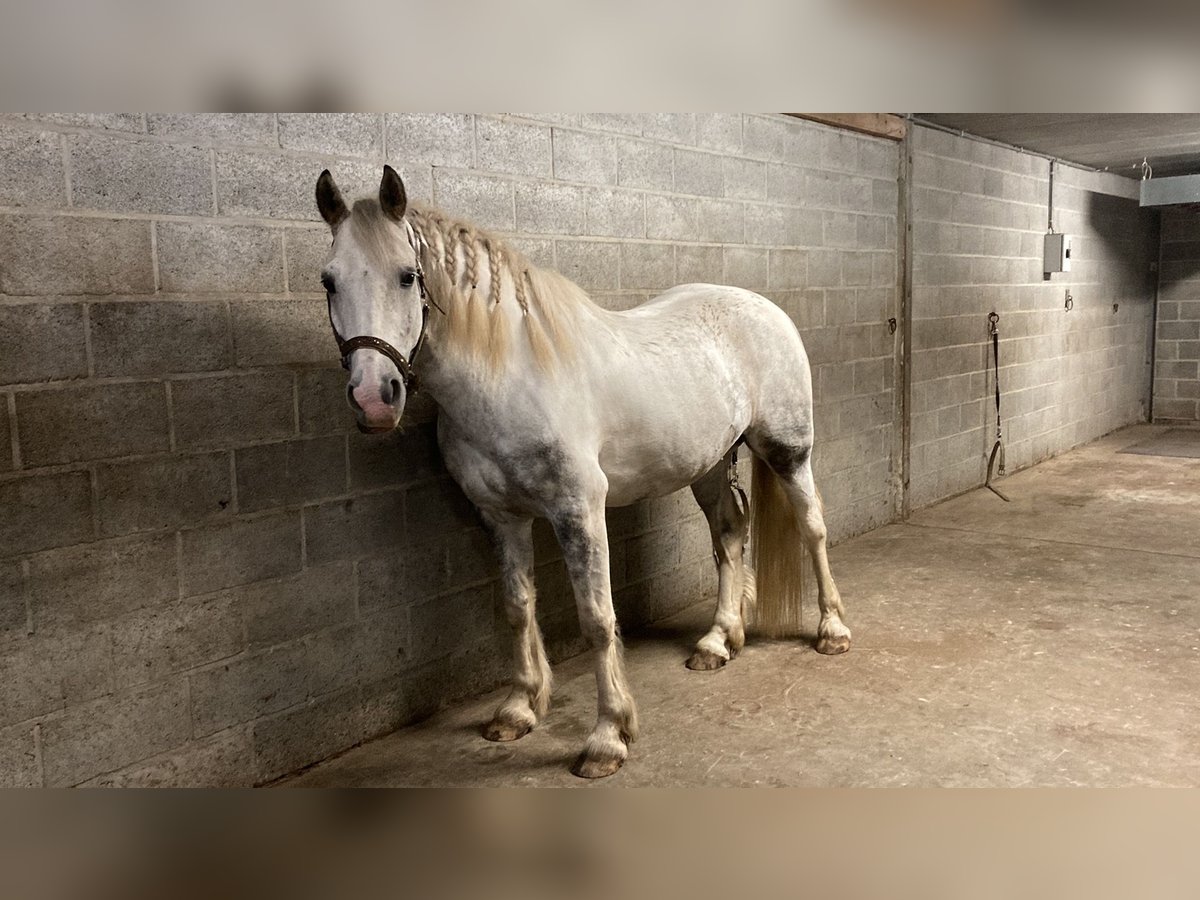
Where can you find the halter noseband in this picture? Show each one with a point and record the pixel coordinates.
(370, 342)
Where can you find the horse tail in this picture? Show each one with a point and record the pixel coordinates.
(777, 546)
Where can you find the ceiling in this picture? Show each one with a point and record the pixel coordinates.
(1114, 141)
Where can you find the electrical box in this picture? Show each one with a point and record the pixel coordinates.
(1057, 253)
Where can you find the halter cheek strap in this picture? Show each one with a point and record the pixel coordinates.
(370, 342)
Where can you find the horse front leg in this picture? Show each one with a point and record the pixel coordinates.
(584, 540)
(529, 699)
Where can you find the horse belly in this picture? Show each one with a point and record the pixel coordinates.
(657, 460)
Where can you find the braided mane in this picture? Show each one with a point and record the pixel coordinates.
(480, 283)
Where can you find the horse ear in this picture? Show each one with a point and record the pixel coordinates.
(329, 201)
(392, 197)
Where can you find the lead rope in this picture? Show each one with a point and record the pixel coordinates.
(998, 447)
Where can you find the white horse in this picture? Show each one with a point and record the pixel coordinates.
(551, 406)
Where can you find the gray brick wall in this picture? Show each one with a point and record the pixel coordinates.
(1177, 343)
(979, 212)
(206, 575)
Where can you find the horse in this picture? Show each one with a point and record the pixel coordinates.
(551, 406)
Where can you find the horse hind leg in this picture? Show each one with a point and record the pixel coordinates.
(727, 524)
(529, 699)
(792, 465)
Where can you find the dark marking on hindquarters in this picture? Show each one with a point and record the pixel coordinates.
(784, 459)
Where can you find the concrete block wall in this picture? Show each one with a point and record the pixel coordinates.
(979, 213)
(207, 576)
(1177, 345)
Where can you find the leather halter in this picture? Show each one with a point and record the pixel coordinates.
(370, 342)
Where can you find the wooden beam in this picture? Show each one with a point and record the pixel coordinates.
(884, 125)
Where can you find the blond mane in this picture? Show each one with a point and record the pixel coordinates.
(479, 282)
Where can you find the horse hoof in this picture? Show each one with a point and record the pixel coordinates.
(503, 732)
(832, 645)
(705, 661)
(587, 767)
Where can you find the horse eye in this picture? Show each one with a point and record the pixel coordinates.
(327, 281)
(407, 278)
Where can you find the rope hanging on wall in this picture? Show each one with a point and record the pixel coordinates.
(998, 447)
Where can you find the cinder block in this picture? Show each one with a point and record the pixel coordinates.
(679, 128)
(512, 147)
(647, 266)
(247, 687)
(78, 423)
(395, 458)
(152, 644)
(98, 581)
(198, 257)
(43, 672)
(615, 213)
(32, 162)
(580, 156)
(538, 251)
(698, 264)
(278, 611)
(6, 455)
(841, 230)
(746, 267)
(789, 269)
(407, 574)
(157, 336)
(239, 552)
(115, 731)
(217, 128)
(354, 528)
(788, 184)
(746, 179)
(650, 553)
(282, 332)
(719, 131)
(334, 658)
(857, 268)
(672, 218)
(12, 600)
(146, 495)
(721, 220)
(298, 737)
(471, 555)
(343, 134)
(111, 121)
(64, 255)
(699, 173)
(306, 251)
(45, 511)
(438, 507)
(802, 143)
(290, 472)
(229, 410)
(139, 176)
(40, 341)
(224, 761)
(625, 123)
(323, 404)
(18, 758)
(642, 164)
(593, 265)
(763, 136)
(549, 208)
(479, 199)
(439, 139)
(273, 186)
(453, 623)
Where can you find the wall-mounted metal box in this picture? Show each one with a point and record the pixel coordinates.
(1057, 253)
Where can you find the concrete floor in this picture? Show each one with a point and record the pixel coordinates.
(1053, 640)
